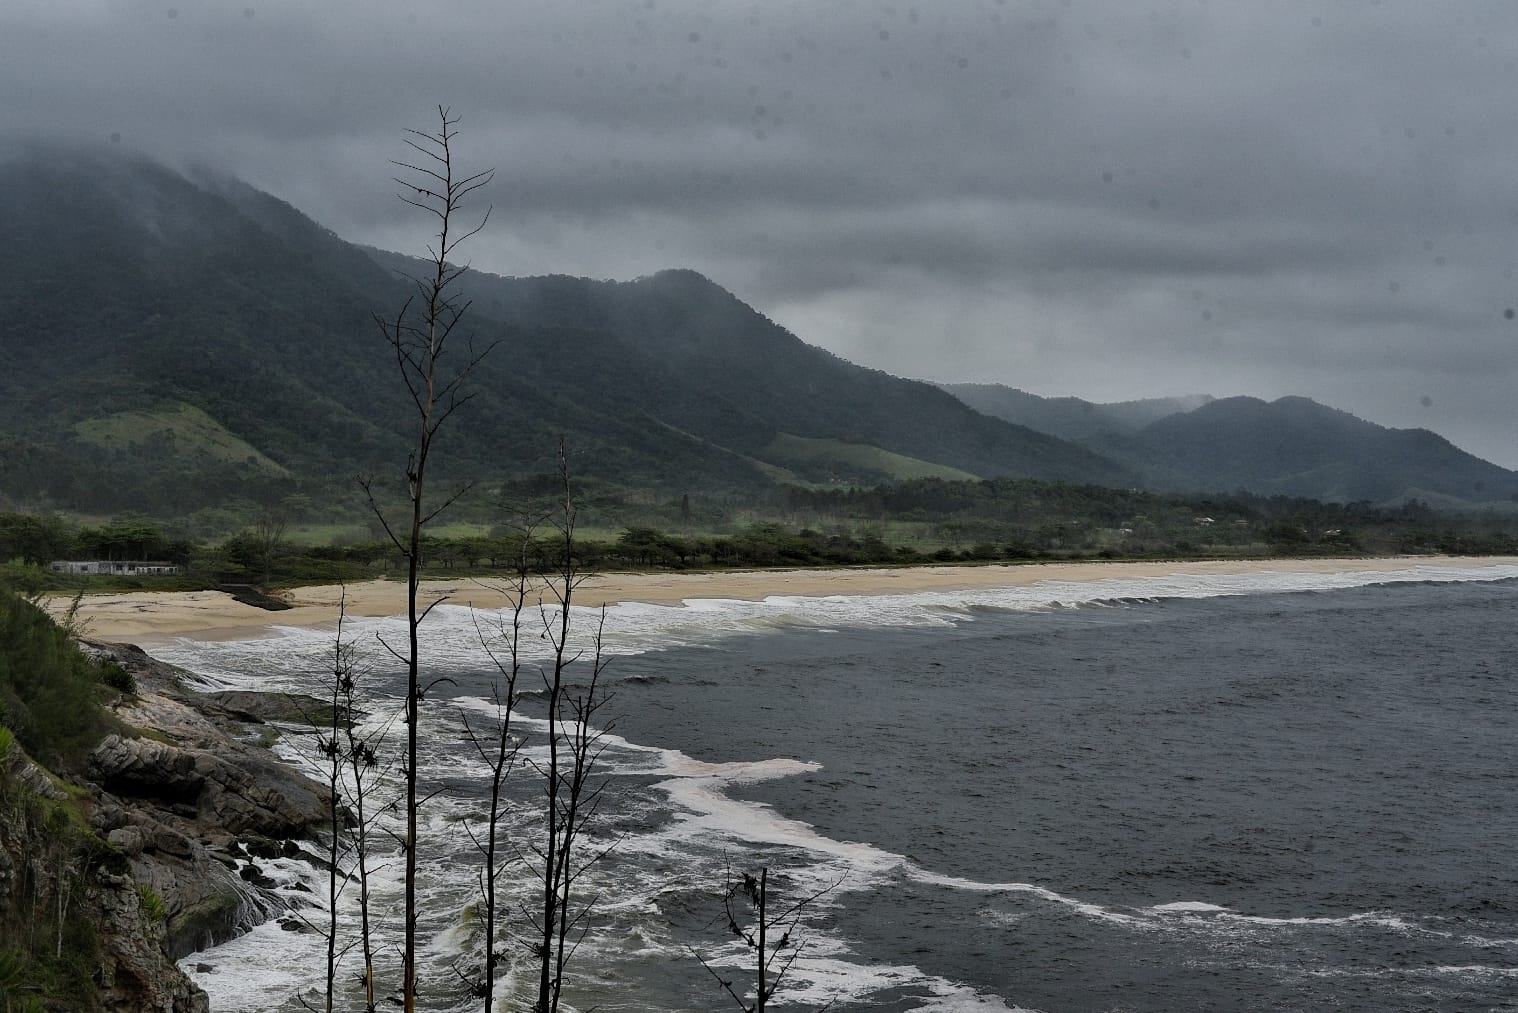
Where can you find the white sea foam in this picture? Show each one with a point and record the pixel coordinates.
(1376, 918)
(1436, 971)
(1187, 906)
(1094, 911)
(283, 661)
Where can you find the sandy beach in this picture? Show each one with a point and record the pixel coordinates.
(145, 617)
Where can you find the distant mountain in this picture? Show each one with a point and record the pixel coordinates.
(1069, 418)
(1296, 447)
(1292, 446)
(1133, 415)
(175, 343)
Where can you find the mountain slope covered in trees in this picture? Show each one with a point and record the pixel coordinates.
(179, 341)
(1069, 418)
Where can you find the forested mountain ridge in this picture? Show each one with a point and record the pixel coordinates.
(1292, 446)
(706, 362)
(177, 341)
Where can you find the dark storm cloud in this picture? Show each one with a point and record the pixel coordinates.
(1109, 199)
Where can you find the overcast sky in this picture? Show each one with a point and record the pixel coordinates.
(1104, 198)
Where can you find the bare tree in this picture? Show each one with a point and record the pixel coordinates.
(350, 762)
(420, 336)
(770, 937)
(364, 769)
(499, 750)
(327, 746)
(267, 535)
(572, 795)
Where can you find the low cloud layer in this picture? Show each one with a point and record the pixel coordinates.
(1092, 197)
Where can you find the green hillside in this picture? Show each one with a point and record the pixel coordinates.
(185, 431)
(215, 346)
(853, 463)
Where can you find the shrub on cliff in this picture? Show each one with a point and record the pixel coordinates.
(49, 690)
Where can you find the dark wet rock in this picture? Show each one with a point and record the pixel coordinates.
(136, 972)
(288, 708)
(262, 847)
(242, 793)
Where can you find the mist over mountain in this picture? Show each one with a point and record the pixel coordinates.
(1069, 418)
(177, 340)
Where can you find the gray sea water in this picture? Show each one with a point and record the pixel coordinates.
(1276, 792)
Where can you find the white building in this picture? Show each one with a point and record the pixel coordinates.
(114, 567)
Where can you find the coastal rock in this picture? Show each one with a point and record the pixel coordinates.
(33, 778)
(146, 769)
(204, 901)
(288, 708)
(176, 803)
(136, 974)
(247, 793)
(49, 865)
(128, 840)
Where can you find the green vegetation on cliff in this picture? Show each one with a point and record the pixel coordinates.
(56, 873)
(50, 690)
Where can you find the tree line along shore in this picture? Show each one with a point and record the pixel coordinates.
(929, 521)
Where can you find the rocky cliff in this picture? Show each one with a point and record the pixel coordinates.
(155, 854)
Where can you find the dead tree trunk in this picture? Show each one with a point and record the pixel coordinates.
(419, 336)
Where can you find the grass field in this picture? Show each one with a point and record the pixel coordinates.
(849, 460)
(183, 429)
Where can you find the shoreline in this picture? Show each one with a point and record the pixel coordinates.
(148, 617)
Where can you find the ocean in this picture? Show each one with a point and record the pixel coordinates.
(1276, 791)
